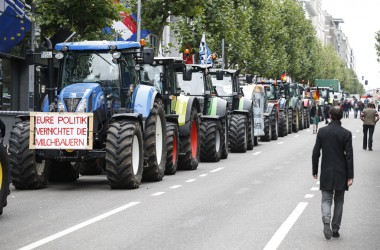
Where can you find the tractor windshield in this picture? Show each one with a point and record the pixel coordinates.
(81, 67)
(271, 92)
(193, 87)
(152, 75)
(223, 87)
(292, 91)
(324, 93)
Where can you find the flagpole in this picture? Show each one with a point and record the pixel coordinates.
(223, 54)
(138, 36)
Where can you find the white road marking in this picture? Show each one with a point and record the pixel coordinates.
(314, 188)
(175, 186)
(308, 196)
(158, 194)
(280, 234)
(191, 180)
(257, 153)
(203, 175)
(77, 227)
(215, 170)
(281, 142)
(296, 136)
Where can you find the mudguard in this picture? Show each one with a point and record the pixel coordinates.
(127, 116)
(143, 99)
(171, 118)
(183, 108)
(218, 106)
(246, 105)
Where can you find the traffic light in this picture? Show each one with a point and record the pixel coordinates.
(366, 82)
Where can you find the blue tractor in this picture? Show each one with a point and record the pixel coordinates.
(98, 93)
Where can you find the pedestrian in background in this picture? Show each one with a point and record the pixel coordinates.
(314, 117)
(369, 116)
(337, 169)
(326, 112)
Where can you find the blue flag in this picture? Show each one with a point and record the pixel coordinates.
(14, 24)
(204, 52)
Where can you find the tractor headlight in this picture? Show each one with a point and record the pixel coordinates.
(61, 106)
(82, 105)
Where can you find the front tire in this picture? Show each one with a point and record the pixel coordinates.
(274, 119)
(211, 134)
(238, 136)
(124, 154)
(267, 129)
(282, 130)
(155, 144)
(25, 172)
(172, 146)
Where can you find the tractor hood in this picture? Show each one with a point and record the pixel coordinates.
(79, 97)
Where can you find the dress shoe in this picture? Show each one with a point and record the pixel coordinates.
(370, 149)
(336, 234)
(364, 149)
(327, 230)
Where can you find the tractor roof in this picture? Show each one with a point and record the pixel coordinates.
(170, 59)
(98, 45)
(230, 71)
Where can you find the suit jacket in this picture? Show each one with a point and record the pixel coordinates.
(337, 156)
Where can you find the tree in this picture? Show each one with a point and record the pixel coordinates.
(377, 45)
(86, 18)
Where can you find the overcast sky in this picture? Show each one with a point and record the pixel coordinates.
(361, 21)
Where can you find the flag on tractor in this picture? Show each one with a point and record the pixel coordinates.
(316, 95)
(204, 52)
(283, 77)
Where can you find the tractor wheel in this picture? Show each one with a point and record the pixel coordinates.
(190, 146)
(295, 123)
(238, 133)
(251, 132)
(267, 130)
(25, 171)
(124, 154)
(225, 138)
(4, 177)
(155, 144)
(301, 120)
(282, 125)
(62, 171)
(211, 138)
(290, 121)
(274, 120)
(172, 146)
(93, 167)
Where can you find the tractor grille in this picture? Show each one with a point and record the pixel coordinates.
(71, 104)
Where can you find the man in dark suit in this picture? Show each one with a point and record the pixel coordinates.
(337, 169)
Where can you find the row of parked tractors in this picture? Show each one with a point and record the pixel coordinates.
(146, 117)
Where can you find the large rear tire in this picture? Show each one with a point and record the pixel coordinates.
(251, 134)
(25, 171)
(238, 133)
(282, 128)
(225, 141)
(301, 120)
(190, 146)
(124, 154)
(267, 129)
(155, 144)
(172, 146)
(307, 117)
(295, 119)
(274, 120)
(211, 134)
(290, 121)
(4, 177)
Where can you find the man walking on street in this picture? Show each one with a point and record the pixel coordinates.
(337, 169)
(326, 112)
(369, 117)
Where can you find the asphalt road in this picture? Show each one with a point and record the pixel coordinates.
(263, 199)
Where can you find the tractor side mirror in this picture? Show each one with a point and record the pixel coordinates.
(148, 56)
(187, 74)
(219, 75)
(249, 79)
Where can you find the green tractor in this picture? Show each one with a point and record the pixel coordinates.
(197, 90)
(241, 116)
(4, 176)
(182, 113)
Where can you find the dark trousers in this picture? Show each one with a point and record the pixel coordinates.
(368, 131)
(327, 201)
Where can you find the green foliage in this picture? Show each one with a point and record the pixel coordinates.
(86, 18)
(377, 45)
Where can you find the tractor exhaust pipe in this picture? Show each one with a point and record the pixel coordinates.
(50, 86)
